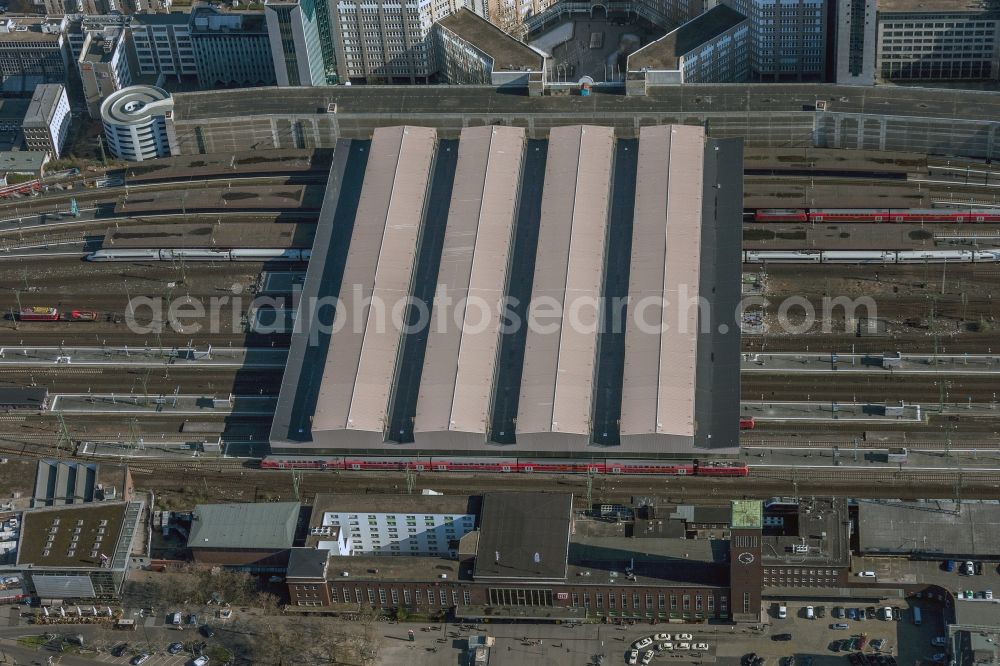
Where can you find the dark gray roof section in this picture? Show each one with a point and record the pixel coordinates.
(524, 536)
(307, 563)
(717, 384)
(665, 53)
(250, 525)
(59, 482)
(310, 344)
(28, 397)
(932, 528)
(43, 104)
(377, 503)
(508, 54)
(360, 107)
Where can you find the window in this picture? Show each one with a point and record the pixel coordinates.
(600, 600)
(466, 598)
(746, 602)
(371, 596)
(635, 601)
(381, 596)
(698, 602)
(406, 597)
(661, 601)
(444, 598)
(687, 602)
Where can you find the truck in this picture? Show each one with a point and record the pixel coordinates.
(37, 313)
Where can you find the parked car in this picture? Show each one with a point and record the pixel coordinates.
(852, 614)
(684, 637)
(174, 648)
(643, 643)
(949, 565)
(659, 638)
(665, 647)
(978, 566)
(897, 613)
(192, 620)
(887, 614)
(648, 657)
(119, 650)
(748, 659)
(870, 613)
(968, 568)
(878, 644)
(820, 611)
(207, 631)
(141, 658)
(781, 637)
(939, 641)
(840, 625)
(782, 611)
(838, 612)
(940, 657)
(700, 646)
(988, 594)
(866, 574)
(200, 661)
(633, 657)
(861, 614)
(810, 613)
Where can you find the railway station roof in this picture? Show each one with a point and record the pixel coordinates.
(358, 376)
(559, 361)
(505, 241)
(661, 355)
(460, 360)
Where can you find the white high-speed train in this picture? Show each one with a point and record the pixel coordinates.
(200, 254)
(871, 257)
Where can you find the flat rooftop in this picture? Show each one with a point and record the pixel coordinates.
(524, 536)
(249, 525)
(806, 524)
(359, 106)
(379, 503)
(665, 53)
(41, 108)
(508, 53)
(221, 235)
(69, 537)
(942, 6)
(977, 613)
(932, 528)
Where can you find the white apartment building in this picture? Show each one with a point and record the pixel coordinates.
(46, 124)
(388, 41)
(366, 525)
(938, 39)
(787, 38)
(162, 44)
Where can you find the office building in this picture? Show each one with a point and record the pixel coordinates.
(473, 51)
(387, 42)
(162, 44)
(231, 49)
(46, 124)
(788, 38)
(32, 52)
(712, 48)
(135, 122)
(77, 554)
(938, 40)
(855, 42)
(103, 67)
(300, 33)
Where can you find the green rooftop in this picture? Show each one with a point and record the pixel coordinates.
(747, 514)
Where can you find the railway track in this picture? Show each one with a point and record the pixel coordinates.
(868, 388)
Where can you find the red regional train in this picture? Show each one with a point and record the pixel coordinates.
(508, 465)
(853, 215)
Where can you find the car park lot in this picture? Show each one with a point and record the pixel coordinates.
(818, 638)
